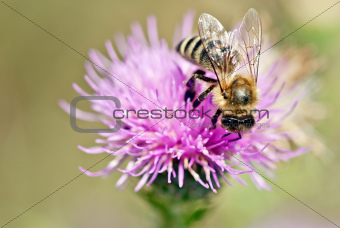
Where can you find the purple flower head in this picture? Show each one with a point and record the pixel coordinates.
(152, 77)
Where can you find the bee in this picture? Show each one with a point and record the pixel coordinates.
(234, 58)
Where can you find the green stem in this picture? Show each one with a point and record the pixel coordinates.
(177, 207)
(177, 213)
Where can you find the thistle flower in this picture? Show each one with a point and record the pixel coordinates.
(152, 76)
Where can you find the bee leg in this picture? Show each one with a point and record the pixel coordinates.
(226, 135)
(202, 96)
(215, 117)
(199, 74)
(239, 137)
(190, 93)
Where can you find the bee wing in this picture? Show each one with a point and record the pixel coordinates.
(215, 40)
(249, 36)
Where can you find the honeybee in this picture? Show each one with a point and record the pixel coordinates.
(234, 58)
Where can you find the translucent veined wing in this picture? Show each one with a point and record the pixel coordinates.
(219, 46)
(249, 36)
(232, 57)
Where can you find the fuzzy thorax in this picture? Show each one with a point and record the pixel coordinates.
(240, 94)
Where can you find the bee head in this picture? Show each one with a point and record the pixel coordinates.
(237, 124)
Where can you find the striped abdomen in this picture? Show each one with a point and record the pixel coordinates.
(192, 49)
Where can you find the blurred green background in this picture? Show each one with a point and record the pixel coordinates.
(38, 147)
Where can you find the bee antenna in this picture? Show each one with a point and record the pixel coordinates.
(218, 80)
